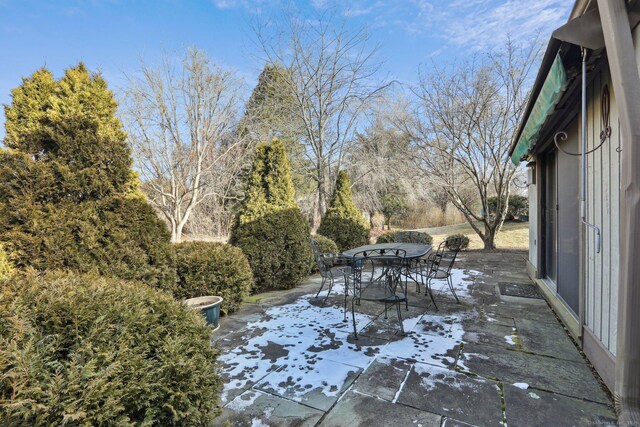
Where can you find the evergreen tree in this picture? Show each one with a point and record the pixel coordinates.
(343, 222)
(269, 227)
(68, 195)
(27, 112)
(71, 126)
(271, 113)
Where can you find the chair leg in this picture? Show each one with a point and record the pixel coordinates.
(324, 279)
(346, 293)
(428, 286)
(328, 290)
(400, 316)
(450, 283)
(353, 316)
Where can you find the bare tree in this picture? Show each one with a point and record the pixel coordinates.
(331, 74)
(178, 120)
(378, 167)
(463, 126)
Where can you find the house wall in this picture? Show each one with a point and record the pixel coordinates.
(533, 219)
(603, 207)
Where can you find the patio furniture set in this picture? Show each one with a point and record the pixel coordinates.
(376, 272)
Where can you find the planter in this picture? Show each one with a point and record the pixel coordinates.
(209, 306)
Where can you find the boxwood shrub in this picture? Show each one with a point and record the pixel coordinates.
(277, 247)
(406, 237)
(326, 244)
(90, 350)
(464, 244)
(206, 268)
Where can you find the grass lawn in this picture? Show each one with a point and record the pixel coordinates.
(513, 235)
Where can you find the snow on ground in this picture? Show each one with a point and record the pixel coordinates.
(304, 352)
(462, 283)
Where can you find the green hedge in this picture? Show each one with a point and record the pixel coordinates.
(89, 350)
(464, 244)
(406, 237)
(277, 247)
(213, 269)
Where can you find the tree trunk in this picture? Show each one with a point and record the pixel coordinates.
(321, 205)
(489, 238)
(175, 236)
(178, 233)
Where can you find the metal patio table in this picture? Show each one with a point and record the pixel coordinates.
(413, 250)
(377, 274)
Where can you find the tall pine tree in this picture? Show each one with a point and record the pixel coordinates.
(68, 195)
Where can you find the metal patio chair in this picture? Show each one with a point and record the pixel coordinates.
(329, 271)
(376, 277)
(438, 266)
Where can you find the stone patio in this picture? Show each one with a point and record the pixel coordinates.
(489, 360)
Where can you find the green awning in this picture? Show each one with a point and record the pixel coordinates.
(551, 92)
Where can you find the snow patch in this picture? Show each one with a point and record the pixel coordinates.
(510, 339)
(521, 386)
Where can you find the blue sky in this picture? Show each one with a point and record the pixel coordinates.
(114, 35)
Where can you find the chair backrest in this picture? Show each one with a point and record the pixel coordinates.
(365, 263)
(448, 253)
(318, 256)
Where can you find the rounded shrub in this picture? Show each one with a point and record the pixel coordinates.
(90, 350)
(269, 227)
(386, 238)
(277, 247)
(206, 268)
(464, 241)
(343, 222)
(406, 237)
(326, 244)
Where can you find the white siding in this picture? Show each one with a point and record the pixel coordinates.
(603, 187)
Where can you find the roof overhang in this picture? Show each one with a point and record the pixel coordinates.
(583, 30)
(550, 93)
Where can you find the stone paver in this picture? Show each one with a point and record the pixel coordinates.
(356, 409)
(456, 395)
(383, 377)
(546, 338)
(558, 375)
(254, 407)
(287, 359)
(528, 407)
